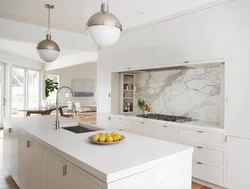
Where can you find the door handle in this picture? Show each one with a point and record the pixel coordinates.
(64, 170)
(4, 101)
(28, 144)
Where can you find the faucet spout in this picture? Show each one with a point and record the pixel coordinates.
(57, 122)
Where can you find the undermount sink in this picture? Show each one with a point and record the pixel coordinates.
(79, 129)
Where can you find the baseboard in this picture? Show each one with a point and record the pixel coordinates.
(207, 184)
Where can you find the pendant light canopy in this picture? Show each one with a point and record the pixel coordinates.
(48, 50)
(103, 27)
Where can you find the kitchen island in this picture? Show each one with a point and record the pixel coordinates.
(38, 156)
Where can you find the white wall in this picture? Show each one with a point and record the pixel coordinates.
(84, 71)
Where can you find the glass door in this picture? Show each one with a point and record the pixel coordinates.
(2, 99)
(33, 88)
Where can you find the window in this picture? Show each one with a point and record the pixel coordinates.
(52, 96)
(33, 88)
(26, 89)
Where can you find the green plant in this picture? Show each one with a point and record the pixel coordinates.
(50, 86)
(141, 103)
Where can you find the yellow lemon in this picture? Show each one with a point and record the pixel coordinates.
(116, 137)
(119, 136)
(96, 138)
(100, 133)
(102, 138)
(108, 134)
(109, 139)
(114, 133)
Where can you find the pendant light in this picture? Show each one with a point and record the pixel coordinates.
(103, 27)
(48, 50)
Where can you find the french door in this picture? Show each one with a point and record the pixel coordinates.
(2, 93)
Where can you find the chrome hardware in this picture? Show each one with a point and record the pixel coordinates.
(28, 143)
(142, 122)
(199, 163)
(64, 170)
(120, 118)
(225, 138)
(109, 95)
(200, 131)
(186, 62)
(10, 130)
(4, 101)
(199, 147)
(109, 118)
(164, 126)
(128, 68)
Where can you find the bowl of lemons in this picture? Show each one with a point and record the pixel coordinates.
(106, 138)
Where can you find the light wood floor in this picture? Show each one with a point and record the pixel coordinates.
(6, 181)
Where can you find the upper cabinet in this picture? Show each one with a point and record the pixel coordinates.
(238, 68)
(205, 34)
(141, 47)
(170, 42)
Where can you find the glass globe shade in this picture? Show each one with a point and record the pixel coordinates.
(103, 36)
(48, 55)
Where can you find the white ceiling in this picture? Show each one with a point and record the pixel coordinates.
(28, 50)
(72, 15)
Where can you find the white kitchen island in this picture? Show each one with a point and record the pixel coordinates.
(38, 156)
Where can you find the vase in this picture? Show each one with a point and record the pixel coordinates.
(141, 111)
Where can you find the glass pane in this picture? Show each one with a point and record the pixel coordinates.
(33, 88)
(52, 96)
(18, 79)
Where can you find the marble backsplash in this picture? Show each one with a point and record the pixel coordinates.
(193, 92)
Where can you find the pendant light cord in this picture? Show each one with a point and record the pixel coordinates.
(48, 31)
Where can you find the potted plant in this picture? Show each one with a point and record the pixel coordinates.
(141, 104)
(50, 86)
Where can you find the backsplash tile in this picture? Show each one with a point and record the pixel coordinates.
(193, 92)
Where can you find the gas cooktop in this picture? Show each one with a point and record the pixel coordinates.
(166, 117)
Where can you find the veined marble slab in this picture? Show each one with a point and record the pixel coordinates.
(193, 92)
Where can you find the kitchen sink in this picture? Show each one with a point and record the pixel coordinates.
(79, 129)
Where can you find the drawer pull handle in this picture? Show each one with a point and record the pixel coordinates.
(64, 170)
(10, 130)
(165, 126)
(120, 118)
(199, 147)
(200, 131)
(142, 122)
(199, 163)
(28, 144)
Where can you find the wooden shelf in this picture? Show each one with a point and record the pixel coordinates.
(129, 82)
(128, 97)
(125, 90)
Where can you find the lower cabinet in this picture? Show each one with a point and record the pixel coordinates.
(238, 164)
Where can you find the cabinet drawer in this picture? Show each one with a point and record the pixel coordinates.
(208, 156)
(166, 133)
(205, 139)
(208, 173)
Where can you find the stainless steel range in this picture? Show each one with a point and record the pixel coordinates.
(166, 117)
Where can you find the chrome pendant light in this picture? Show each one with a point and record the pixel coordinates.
(48, 50)
(103, 27)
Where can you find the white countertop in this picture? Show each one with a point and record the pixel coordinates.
(195, 124)
(108, 163)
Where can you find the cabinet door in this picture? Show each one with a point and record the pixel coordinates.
(11, 152)
(104, 83)
(238, 164)
(142, 128)
(170, 42)
(141, 46)
(55, 172)
(36, 166)
(116, 122)
(76, 180)
(238, 67)
(24, 162)
(205, 34)
(103, 120)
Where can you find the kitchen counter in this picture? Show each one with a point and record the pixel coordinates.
(109, 163)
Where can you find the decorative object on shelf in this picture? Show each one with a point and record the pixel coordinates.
(141, 104)
(104, 28)
(147, 108)
(48, 50)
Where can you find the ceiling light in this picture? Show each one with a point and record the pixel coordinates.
(48, 50)
(103, 27)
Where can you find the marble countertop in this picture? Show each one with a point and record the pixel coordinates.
(109, 162)
(195, 124)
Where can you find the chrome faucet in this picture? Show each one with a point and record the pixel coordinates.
(57, 122)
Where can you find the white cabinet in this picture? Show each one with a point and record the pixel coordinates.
(170, 42)
(121, 123)
(31, 163)
(238, 164)
(55, 172)
(238, 68)
(11, 151)
(141, 47)
(103, 120)
(142, 128)
(164, 132)
(77, 179)
(205, 34)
